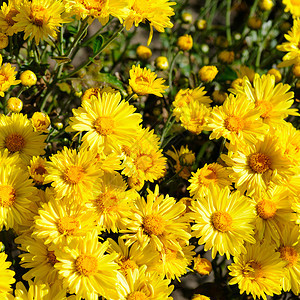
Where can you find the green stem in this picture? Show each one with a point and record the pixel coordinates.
(85, 64)
(129, 97)
(228, 30)
(168, 126)
(20, 91)
(171, 69)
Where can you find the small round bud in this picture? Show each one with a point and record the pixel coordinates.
(187, 17)
(296, 70)
(78, 94)
(265, 4)
(14, 104)
(201, 24)
(143, 52)
(205, 48)
(3, 41)
(276, 73)
(226, 57)
(162, 63)
(254, 23)
(202, 265)
(207, 73)
(40, 121)
(58, 125)
(185, 42)
(28, 78)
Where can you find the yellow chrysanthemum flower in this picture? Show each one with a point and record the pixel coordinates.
(40, 121)
(109, 122)
(111, 201)
(292, 6)
(16, 196)
(273, 101)
(157, 13)
(40, 19)
(194, 117)
(257, 166)
(258, 271)
(202, 265)
(144, 82)
(210, 173)
(223, 221)
(139, 284)
(18, 136)
(291, 46)
(184, 97)
(7, 277)
(131, 257)
(37, 169)
(73, 174)
(184, 159)
(100, 10)
(156, 222)
(7, 77)
(7, 13)
(236, 120)
(38, 258)
(173, 263)
(273, 210)
(144, 160)
(58, 222)
(87, 96)
(86, 269)
(289, 250)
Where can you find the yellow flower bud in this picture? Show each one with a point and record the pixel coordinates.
(14, 104)
(3, 41)
(202, 265)
(185, 42)
(143, 52)
(201, 24)
(28, 78)
(207, 73)
(237, 83)
(296, 70)
(276, 73)
(265, 4)
(200, 297)
(187, 17)
(226, 56)
(162, 63)
(254, 23)
(40, 121)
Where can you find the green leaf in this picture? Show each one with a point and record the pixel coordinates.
(112, 80)
(97, 44)
(61, 59)
(72, 29)
(227, 74)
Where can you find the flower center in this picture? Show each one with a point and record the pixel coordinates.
(221, 221)
(207, 176)
(234, 123)
(259, 162)
(86, 265)
(143, 162)
(40, 170)
(39, 16)
(9, 17)
(127, 264)
(106, 202)
(266, 107)
(289, 254)
(153, 224)
(67, 225)
(252, 270)
(104, 125)
(7, 195)
(94, 7)
(137, 296)
(142, 80)
(266, 209)
(74, 174)
(14, 142)
(52, 258)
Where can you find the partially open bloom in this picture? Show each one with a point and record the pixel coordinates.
(143, 52)
(185, 42)
(37, 169)
(14, 104)
(207, 73)
(144, 82)
(28, 78)
(202, 265)
(40, 121)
